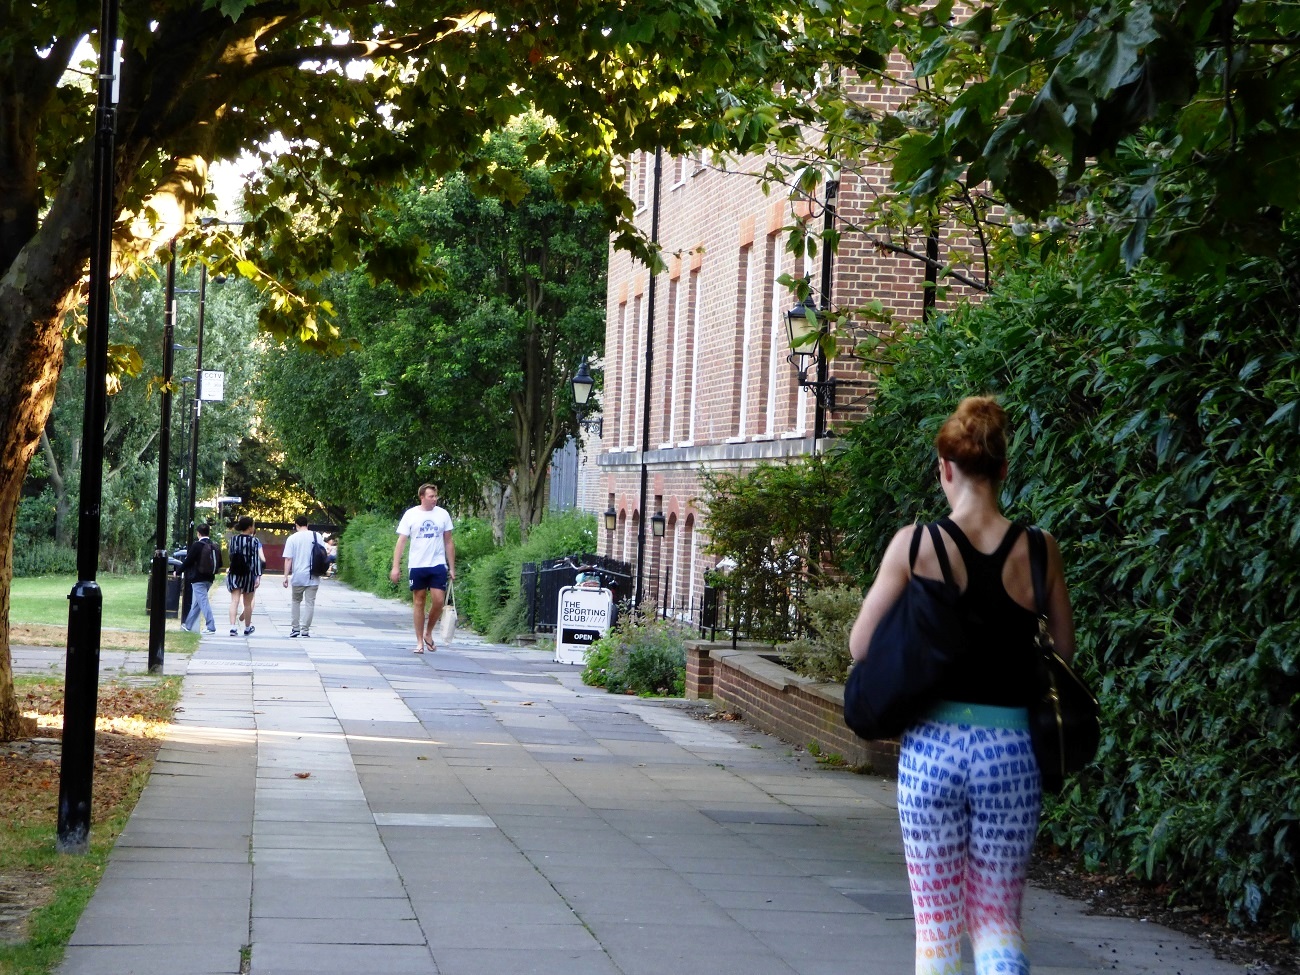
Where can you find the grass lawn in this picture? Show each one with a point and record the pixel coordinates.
(38, 613)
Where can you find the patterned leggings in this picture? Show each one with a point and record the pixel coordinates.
(968, 801)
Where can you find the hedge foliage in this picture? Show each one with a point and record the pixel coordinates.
(774, 521)
(1155, 433)
(366, 552)
(490, 599)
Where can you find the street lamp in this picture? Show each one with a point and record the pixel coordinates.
(182, 476)
(611, 519)
(805, 313)
(582, 384)
(805, 331)
(658, 524)
(158, 567)
(86, 600)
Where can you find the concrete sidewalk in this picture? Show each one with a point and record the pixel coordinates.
(338, 805)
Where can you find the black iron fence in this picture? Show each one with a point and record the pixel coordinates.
(541, 583)
(775, 616)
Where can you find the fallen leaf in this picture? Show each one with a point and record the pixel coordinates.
(302, 775)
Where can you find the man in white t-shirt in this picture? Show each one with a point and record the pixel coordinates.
(297, 574)
(432, 564)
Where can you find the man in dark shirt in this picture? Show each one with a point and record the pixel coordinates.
(202, 560)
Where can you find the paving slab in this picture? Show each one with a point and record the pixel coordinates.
(339, 806)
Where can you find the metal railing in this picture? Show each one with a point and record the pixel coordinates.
(541, 583)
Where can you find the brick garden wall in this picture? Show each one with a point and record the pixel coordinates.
(780, 702)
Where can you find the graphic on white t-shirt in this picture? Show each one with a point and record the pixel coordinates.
(426, 530)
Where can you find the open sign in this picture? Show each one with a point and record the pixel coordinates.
(583, 618)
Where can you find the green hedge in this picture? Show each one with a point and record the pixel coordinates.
(491, 596)
(366, 553)
(1155, 432)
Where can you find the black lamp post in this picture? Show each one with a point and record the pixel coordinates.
(86, 600)
(182, 477)
(582, 384)
(797, 324)
(805, 331)
(651, 292)
(158, 567)
(198, 405)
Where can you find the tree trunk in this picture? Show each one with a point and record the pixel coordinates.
(62, 526)
(29, 373)
(38, 287)
(496, 496)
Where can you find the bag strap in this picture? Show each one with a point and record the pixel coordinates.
(1038, 568)
(939, 550)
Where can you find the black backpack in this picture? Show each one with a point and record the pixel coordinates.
(320, 558)
(238, 558)
(207, 563)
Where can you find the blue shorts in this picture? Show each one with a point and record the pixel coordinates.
(429, 577)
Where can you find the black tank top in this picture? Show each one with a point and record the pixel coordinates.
(999, 668)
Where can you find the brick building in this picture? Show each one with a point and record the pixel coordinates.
(723, 391)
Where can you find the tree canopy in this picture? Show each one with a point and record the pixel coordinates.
(344, 100)
(465, 384)
(1150, 127)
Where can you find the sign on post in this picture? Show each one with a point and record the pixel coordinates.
(212, 385)
(584, 617)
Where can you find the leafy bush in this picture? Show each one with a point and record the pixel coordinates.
(494, 602)
(1155, 431)
(774, 522)
(366, 555)
(473, 541)
(44, 559)
(487, 588)
(510, 620)
(823, 654)
(642, 654)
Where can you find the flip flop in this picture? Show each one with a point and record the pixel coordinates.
(419, 649)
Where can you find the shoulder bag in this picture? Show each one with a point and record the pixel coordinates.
(916, 642)
(1064, 717)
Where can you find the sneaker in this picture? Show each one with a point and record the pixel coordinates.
(249, 629)
(306, 636)
(234, 632)
(186, 629)
(293, 633)
(212, 629)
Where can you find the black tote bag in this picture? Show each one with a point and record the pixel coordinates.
(912, 648)
(1064, 717)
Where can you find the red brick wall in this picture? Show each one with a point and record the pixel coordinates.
(781, 703)
(723, 395)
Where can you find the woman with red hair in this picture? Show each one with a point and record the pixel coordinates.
(969, 790)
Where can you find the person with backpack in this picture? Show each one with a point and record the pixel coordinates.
(202, 560)
(245, 575)
(305, 561)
